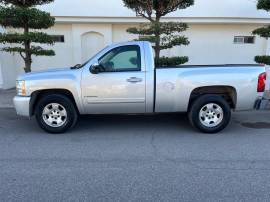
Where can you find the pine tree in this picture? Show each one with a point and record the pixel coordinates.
(263, 31)
(23, 16)
(163, 35)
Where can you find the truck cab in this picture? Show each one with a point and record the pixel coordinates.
(120, 79)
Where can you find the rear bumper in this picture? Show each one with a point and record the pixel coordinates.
(261, 103)
(22, 105)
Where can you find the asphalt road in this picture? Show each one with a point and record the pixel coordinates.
(135, 158)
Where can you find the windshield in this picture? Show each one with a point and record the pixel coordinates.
(93, 57)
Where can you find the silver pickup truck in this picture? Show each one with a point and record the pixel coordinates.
(123, 79)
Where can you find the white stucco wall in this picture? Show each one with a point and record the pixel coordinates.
(210, 44)
(213, 44)
(64, 52)
(8, 70)
(268, 67)
(78, 30)
(68, 53)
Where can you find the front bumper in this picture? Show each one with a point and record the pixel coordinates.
(22, 105)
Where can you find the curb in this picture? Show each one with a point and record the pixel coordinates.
(6, 98)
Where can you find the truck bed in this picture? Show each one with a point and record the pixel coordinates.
(174, 85)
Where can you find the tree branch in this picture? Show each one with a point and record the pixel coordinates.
(147, 10)
(22, 55)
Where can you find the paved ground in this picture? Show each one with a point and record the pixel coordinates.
(134, 158)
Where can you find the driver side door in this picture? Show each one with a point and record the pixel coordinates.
(119, 86)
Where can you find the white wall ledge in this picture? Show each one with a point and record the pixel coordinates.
(190, 20)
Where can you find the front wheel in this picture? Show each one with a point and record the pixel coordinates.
(210, 113)
(56, 113)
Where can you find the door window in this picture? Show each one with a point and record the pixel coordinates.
(121, 59)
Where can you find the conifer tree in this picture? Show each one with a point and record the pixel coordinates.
(164, 35)
(21, 15)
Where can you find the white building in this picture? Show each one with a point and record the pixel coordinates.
(220, 33)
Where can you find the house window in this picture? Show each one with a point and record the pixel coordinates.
(58, 38)
(244, 40)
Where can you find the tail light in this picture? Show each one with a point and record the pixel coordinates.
(261, 82)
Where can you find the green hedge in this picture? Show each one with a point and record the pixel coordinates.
(172, 61)
(263, 59)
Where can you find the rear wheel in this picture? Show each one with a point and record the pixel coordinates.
(210, 113)
(55, 113)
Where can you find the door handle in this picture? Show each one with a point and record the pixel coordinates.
(134, 80)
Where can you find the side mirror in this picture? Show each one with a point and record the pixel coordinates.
(95, 69)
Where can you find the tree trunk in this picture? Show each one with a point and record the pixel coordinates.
(27, 62)
(27, 58)
(157, 47)
(157, 36)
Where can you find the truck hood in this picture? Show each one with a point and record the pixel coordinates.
(45, 74)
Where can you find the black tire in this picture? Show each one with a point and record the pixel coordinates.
(71, 118)
(199, 103)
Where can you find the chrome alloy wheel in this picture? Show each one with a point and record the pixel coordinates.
(54, 115)
(211, 115)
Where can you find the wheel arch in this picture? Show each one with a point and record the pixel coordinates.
(229, 93)
(37, 95)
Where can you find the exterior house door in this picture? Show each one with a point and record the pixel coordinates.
(92, 42)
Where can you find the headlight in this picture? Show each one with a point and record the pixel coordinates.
(21, 89)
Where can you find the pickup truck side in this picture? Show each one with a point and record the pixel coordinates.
(123, 79)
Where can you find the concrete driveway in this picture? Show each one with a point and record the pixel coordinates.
(135, 158)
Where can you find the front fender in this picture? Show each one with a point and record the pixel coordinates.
(68, 80)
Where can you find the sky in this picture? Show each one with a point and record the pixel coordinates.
(115, 8)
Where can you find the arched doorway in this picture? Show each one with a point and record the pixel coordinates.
(92, 42)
